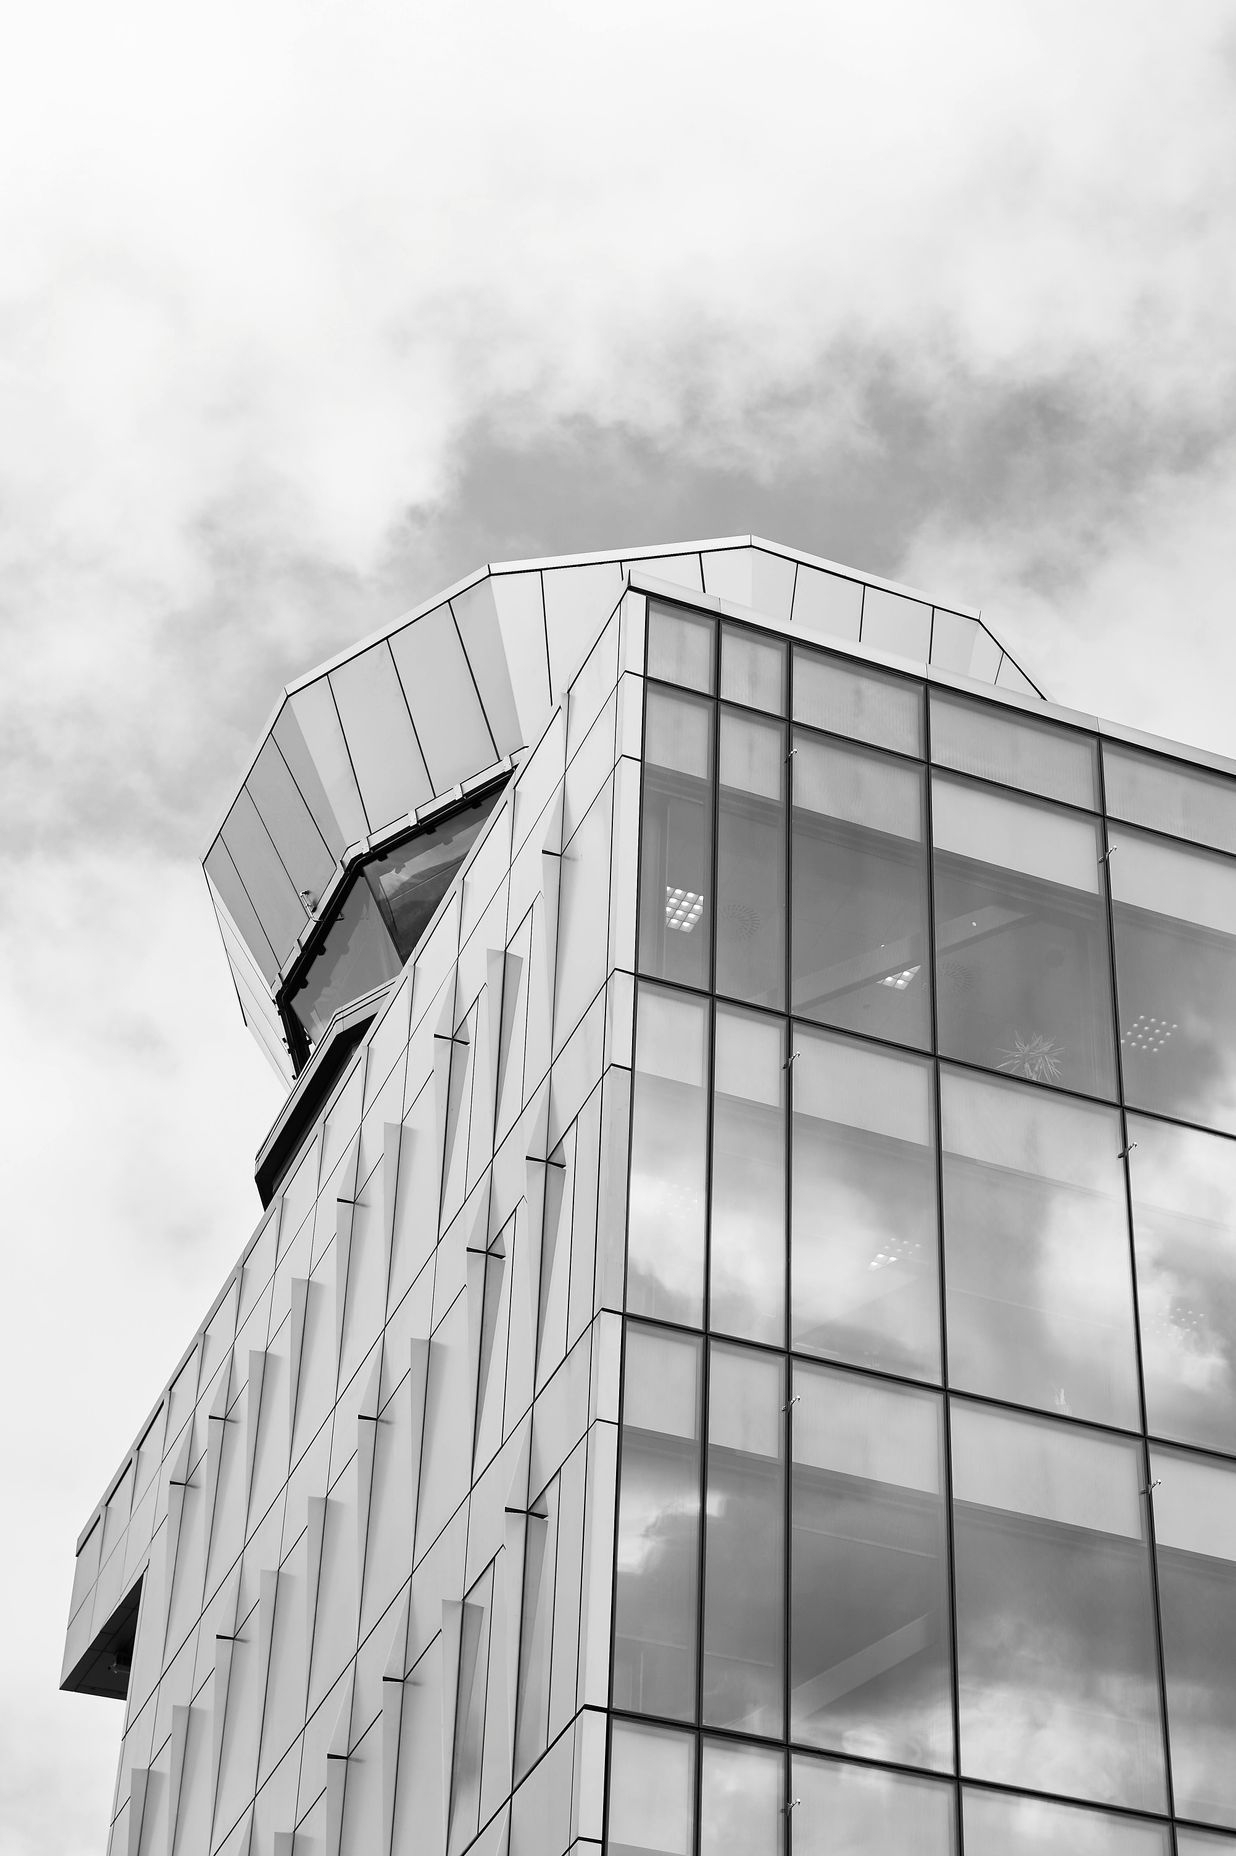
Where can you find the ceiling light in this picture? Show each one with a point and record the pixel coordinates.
(899, 981)
(1148, 1033)
(683, 909)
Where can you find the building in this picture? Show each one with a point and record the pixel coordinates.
(738, 1353)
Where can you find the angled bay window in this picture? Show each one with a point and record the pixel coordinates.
(744, 1542)
(870, 1663)
(750, 909)
(747, 1238)
(675, 928)
(1184, 1227)
(1023, 973)
(1057, 1664)
(864, 1249)
(1195, 1536)
(669, 1145)
(1174, 910)
(1036, 1248)
(658, 1525)
(859, 884)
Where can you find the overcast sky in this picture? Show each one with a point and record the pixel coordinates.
(307, 309)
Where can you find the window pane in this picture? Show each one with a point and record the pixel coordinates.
(860, 892)
(753, 669)
(410, 881)
(997, 1825)
(742, 1801)
(1024, 980)
(680, 646)
(1015, 750)
(651, 1792)
(864, 1254)
(356, 956)
(1184, 1229)
(1185, 802)
(1175, 925)
(751, 860)
(1203, 1843)
(658, 1526)
(1055, 1638)
(860, 1811)
(675, 922)
(1195, 1532)
(1036, 1236)
(870, 1669)
(669, 1142)
(744, 1546)
(747, 1251)
(865, 704)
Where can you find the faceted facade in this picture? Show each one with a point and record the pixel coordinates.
(740, 1351)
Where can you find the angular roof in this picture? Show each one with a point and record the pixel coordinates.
(404, 722)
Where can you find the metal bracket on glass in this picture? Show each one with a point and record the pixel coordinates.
(790, 1406)
(791, 1804)
(1126, 1150)
(1107, 853)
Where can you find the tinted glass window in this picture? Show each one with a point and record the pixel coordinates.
(675, 927)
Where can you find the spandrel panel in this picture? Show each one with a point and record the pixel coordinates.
(681, 647)
(381, 742)
(1184, 1234)
(651, 1792)
(896, 624)
(846, 1810)
(753, 669)
(669, 1142)
(1195, 1534)
(356, 956)
(750, 913)
(222, 873)
(675, 914)
(748, 1234)
(998, 1824)
(859, 886)
(282, 912)
(1023, 974)
(1174, 910)
(450, 722)
(291, 825)
(870, 1663)
(828, 603)
(744, 1546)
(286, 735)
(1014, 750)
(867, 705)
(310, 717)
(742, 1800)
(658, 1525)
(864, 1249)
(1057, 1664)
(954, 641)
(1184, 802)
(1036, 1245)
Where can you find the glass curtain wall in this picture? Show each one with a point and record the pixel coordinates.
(927, 1508)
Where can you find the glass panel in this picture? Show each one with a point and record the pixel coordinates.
(676, 869)
(1036, 1237)
(893, 623)
(998, 1825)
(1203, 1843)
(291, 824)
(658, 1525)
(283, 913)
(744, 1543)
(747, 1249)
(680, 646)
(751, 860)
(356, 956)
(954, 641)
(1195, 1530)
(864, 1255)
(669, 1140)
(828, 603)
(842, 1810)
(410, 881)
(1024, 979)
(999, 744)
(1175, 925)
(885, 711)
(1055, 1636)
(1185, 802)
(1184, 1233)
(651, 1792)
(742, 1801)
(870, 1669)
(859, 880)
(753, 669)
